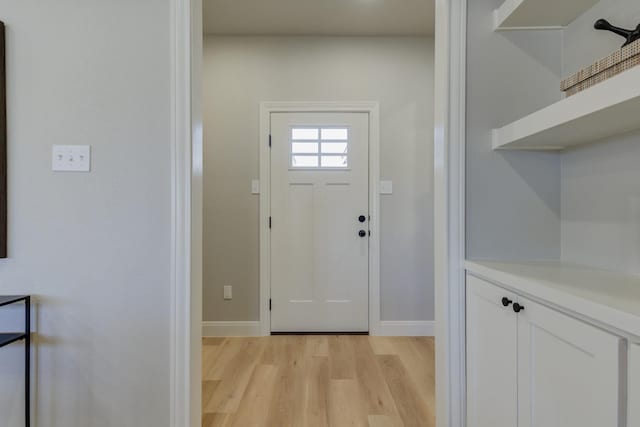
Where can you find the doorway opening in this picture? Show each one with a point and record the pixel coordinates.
(318, 213)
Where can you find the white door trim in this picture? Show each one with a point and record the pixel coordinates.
(372, 108)
(449, 202)
(186, 254)
(186, 214)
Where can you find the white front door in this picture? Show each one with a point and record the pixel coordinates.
(319, 222)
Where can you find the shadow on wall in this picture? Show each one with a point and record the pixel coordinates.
(536, 44)
(528, 166)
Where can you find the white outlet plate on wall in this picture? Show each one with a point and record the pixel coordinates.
(71, 158)
(386, 187)
(255, 186)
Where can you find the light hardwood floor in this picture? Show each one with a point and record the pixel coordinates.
(315, 381)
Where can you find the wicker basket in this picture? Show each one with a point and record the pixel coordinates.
(616, 63)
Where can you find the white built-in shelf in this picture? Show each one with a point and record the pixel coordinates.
(607, 109)
(539, 14)
(608, 297)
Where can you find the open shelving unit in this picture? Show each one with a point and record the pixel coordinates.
(607, 109)
(7, 338)
(539, 14)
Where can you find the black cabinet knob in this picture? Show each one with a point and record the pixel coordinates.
(362, 233)
(506, 301)
(518, 308)
(362, 218)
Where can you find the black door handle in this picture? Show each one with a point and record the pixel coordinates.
(362, 218)
(506, 301)
(362, 233)
(518, 308)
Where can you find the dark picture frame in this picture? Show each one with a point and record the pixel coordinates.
(3, 146)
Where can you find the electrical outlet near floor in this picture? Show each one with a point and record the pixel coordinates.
(228, 292)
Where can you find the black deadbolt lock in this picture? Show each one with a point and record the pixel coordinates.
(362, 233)
(362, 218)
(506, 301)
(518, 308)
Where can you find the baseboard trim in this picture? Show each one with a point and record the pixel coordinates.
(231, 329)
(398, 328)
(411, 328)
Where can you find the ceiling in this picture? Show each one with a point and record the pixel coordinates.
(320, 17)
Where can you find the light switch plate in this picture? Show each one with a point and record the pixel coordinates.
(386, 187)
(255, 186)
(71, 158)
(228, 293)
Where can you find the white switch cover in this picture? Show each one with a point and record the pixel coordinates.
(386, 187)
(228, 292)
(71, 158)
(255, 186)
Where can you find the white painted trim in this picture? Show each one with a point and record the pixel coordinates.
(550, 28)
(449, 191)
(373, 109)
(265, 234)
(411, 328)
(186, 214)
(592, 115)
(375, 310)
(185, 400)
(231, 329)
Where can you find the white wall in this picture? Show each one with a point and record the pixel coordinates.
(513, 198)
(93, 248)
(601, 205)
(600, 182)
(240, 72)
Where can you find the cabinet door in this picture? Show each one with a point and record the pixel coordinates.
(568, 371)
(491, 356)
(634, 385)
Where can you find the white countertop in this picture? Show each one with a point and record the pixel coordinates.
(608, 297)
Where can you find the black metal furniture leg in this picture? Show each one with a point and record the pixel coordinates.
(7, 338)
(27, 361)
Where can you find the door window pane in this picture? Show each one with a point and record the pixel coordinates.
(334, 147)
(335, 134)
(334, 161)
(304, 161)
(304, 148)
(304, 134)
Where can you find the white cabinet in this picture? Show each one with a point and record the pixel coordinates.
(536, 367)
(568, 371)
(492, 356)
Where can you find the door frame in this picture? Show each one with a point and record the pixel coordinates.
(450, 217)
(185, 257)
(185, 344)
(373, 109)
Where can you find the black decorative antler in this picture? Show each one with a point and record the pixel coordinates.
(629, 35)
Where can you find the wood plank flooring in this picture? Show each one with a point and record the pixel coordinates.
(318, 381)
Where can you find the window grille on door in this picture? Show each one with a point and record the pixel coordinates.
(319, 147)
